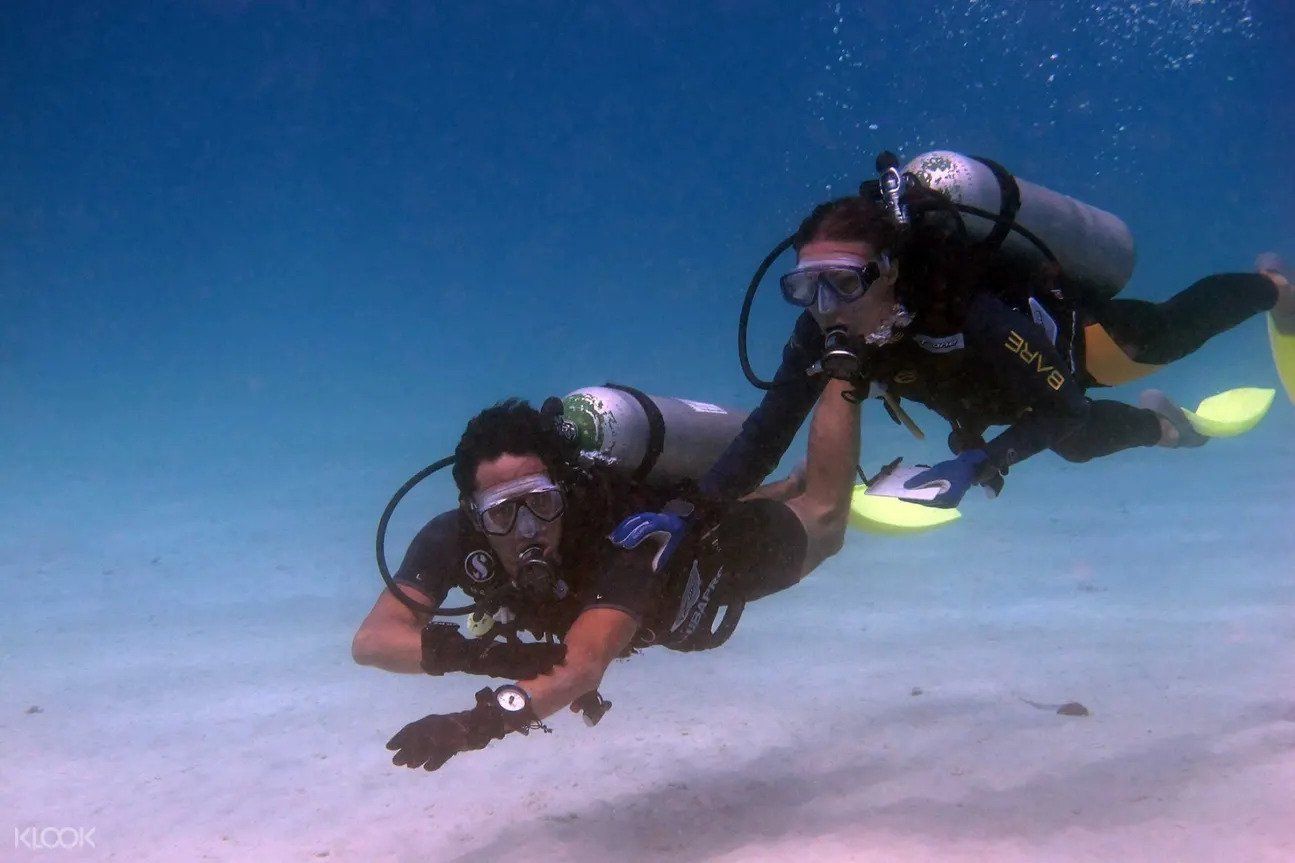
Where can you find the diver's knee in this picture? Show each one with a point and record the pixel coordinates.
(1075, 456)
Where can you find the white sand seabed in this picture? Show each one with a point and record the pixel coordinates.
(876, 712)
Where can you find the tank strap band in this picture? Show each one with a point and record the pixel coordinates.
(656, 430)
(1010, 205)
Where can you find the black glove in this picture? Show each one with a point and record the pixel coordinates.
(446, 651)
(431, 741)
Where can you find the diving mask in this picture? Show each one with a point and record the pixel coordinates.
(497, 508)
(844, 278)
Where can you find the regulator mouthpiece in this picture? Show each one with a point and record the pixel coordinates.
(839, 357)
(537, 576)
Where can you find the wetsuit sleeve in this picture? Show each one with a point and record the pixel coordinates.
(431, 556)
(1024, 363)
(768, 431)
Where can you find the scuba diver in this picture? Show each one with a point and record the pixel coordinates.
(530, 544)
(981, 320)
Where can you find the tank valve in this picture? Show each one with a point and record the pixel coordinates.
(892, 186)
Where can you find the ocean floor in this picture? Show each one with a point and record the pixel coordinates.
(177, 678)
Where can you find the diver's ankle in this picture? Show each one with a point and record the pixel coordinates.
(1283, 311)
(1168, 434)
(1272, 268)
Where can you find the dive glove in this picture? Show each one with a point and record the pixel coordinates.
(431, 741)
(666, 528)
(969, 468)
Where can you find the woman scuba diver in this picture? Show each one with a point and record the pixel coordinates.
(903, 300)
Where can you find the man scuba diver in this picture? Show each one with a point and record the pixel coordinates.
(530, 545)
(901, 303)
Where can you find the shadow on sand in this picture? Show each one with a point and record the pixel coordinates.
(824, 787)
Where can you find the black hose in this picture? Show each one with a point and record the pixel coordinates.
(745, 317)
(1012, 224)
(411, 603)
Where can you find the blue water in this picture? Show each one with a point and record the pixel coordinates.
(259, 262)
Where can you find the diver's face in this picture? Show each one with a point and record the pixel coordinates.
(865, 314)
(527, 530)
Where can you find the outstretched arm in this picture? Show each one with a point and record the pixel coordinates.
(768, 431)
(823, 506)
(594, 640)
(390, 636)
(598, 636)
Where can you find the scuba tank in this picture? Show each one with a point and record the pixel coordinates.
(1093, 247)
(653, 439)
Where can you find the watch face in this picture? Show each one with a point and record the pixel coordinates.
(511, 698)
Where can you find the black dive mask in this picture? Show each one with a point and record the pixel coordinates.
(537, 577)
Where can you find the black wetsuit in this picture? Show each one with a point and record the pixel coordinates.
(1019, 365)
(1168, 331)
(751, 550)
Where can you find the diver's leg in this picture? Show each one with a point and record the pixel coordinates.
(1274, 270)
(1110, 427)
(1160, 333)
(1281, 320)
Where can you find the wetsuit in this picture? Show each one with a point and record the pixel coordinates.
(750, 550)
(1025, 366)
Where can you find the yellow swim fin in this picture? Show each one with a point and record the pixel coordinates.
(895, 517)
(1231, 412)
(1283, 345)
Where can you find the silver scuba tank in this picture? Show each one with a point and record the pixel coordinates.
(654, 439)
(1093, 247)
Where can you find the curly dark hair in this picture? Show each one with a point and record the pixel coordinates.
(510, 426)
(597, 496)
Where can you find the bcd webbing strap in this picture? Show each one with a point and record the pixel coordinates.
(656, 430)
(1009, 205)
